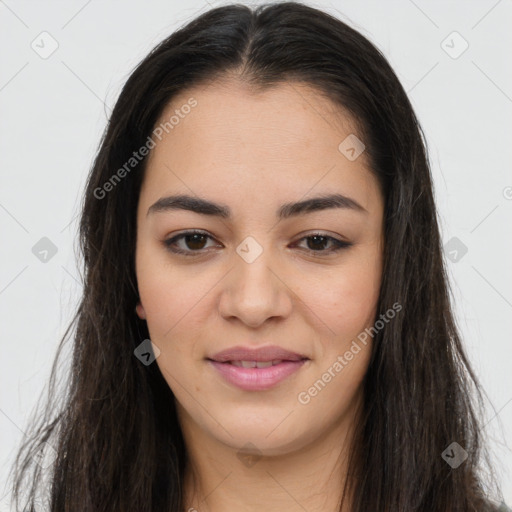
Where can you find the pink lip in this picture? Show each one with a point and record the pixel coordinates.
(257, 379)
(268, 353)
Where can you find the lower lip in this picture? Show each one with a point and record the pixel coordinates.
(257, 379)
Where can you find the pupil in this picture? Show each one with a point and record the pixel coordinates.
(316, 239)
(194, 238)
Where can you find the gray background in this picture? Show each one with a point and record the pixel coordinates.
(54, 109)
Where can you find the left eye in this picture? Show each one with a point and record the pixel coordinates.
(195, 241)
(317, 239)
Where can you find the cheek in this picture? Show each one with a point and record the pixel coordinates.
(173, 310)
(160, 293)
(344, 299)
(169, 305)
(358, 295)
(177, 303)
(346, 302)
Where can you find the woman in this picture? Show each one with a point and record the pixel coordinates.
(266, 321)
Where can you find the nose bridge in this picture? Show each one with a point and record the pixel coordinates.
(253, 291)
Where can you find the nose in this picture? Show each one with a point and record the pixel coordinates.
(254, 292)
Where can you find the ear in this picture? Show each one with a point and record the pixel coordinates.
(140, 311)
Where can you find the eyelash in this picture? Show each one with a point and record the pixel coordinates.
(339, 244)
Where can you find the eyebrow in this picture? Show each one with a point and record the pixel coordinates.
(287, 210)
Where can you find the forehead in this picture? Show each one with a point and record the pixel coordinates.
(277, 120)
(282, 140)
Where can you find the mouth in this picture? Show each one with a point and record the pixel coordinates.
(256, 375)
(256, 370)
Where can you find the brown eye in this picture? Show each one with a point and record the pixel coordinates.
(195, 241)
(316, 243)
(192, 242)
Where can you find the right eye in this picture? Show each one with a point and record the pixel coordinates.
(193, 240)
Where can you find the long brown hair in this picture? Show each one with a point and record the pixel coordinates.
(115, 432)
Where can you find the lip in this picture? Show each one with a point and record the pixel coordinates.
(268, 353)
(257, 379)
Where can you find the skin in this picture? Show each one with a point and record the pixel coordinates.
(253, 152)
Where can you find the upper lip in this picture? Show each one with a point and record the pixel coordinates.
(269, 353)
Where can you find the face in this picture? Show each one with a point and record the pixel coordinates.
(303, 280)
